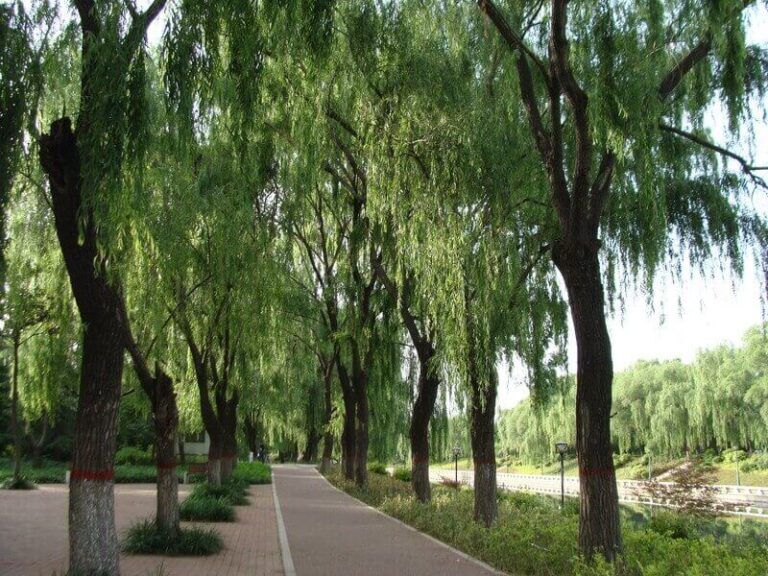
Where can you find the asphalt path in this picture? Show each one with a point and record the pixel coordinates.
(331, 533)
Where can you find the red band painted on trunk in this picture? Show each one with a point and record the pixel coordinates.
(482, 462)
(96, 475)
(416, 460)
(229, 456)
(166, 465)
(596, 472)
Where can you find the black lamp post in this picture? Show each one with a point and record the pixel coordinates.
(562, 448)
(456, 452)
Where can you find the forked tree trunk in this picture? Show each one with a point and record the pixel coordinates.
(419, 431)
(93, 544)
(166, 419)
(482, 431)
(599, 529)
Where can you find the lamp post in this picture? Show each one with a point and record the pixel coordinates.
(562, 448)
(456, 452)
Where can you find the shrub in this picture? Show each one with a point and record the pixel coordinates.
(22, 483)
(135, 474)
(755, 462)
(133, 456)
(403, 474)
(377, 468)
(671, 524)
(147, 537)
(207, 509)
(253, 472)
(233, 491)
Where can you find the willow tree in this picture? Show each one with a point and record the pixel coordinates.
(84, 163)
(607, 91)
(474, 258)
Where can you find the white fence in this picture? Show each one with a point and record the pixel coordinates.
(741, 500)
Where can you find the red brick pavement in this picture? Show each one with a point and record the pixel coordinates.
(33, 535)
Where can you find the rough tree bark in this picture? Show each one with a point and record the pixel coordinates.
(165, 419)
(348, 433)
(228, 418)
(482, 432)
(15, 409)
(325, 461)
(423, 407)
(599, 528)
(92, 535)
(361, 441)
(427, 387)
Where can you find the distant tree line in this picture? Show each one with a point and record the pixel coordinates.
(667, 408)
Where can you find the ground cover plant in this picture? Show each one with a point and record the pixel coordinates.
(253, 472)
(532, 536)
(211, 503)
(146, 537)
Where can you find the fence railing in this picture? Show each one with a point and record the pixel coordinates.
(741, 500)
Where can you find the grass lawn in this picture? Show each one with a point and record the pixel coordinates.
(533, 537)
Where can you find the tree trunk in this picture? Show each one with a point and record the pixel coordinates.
(313, 442)
(482, 433)
(348, 433)
(325, 461)
(166, 418)
(419, 431)
(182, 453)
(214, 459)
(93, 545)
(229, 449)
(599, 529)
(15, 410)
(361, 440)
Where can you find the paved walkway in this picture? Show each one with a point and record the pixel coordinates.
(330, 533)
(33, 535)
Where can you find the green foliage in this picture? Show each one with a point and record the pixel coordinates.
(146, 537)
(253, 472)
(20, 483)
(377, 468)
(233, 492)
(131, 455)
(207, 509)
(402, 473)
(532, 536)
(48, 473)
(665, 408)
(671, 524)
